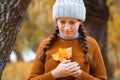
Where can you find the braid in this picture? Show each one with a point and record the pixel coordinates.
(48, 45)
(84, 47)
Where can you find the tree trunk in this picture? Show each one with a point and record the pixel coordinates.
(12, 15)
(96, 26)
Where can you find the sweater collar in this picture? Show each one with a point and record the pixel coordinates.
(76, 35)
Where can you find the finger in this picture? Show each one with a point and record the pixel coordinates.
(72, 65)
(74, 69)
(65, 61)
(76, 72)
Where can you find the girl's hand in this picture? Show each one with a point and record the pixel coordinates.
(77, 73)
(66, 68)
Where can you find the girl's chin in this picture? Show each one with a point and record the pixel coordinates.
(68, 36)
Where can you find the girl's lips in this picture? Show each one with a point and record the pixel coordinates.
(67, 32)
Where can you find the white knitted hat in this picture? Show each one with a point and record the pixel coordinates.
(69, 8)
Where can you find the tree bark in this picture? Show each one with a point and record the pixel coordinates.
(96, 26)
(12, 15)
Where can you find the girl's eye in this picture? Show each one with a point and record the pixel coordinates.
(62, 22)
(72, 22)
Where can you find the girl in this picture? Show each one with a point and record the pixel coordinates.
(86, 62)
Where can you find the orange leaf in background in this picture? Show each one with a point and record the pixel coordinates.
(62, 54)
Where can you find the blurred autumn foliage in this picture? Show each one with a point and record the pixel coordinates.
(39, 24)
(114, 32)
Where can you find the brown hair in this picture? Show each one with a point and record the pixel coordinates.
(82, 42)
(84, 47)
(48, 45)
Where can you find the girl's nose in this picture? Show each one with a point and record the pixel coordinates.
(67, 26)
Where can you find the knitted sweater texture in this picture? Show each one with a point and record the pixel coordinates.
(42, 71)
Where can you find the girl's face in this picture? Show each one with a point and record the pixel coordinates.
(68, 26)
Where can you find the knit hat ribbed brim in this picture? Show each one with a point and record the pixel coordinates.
(69, 8)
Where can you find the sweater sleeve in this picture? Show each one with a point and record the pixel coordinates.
(98, 72)
(37, 71)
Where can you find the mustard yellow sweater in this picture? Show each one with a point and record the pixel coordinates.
(42, 71)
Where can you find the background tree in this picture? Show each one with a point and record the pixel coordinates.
(96, 26)
(12, 15)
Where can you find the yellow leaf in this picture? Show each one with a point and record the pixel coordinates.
(62, 54)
